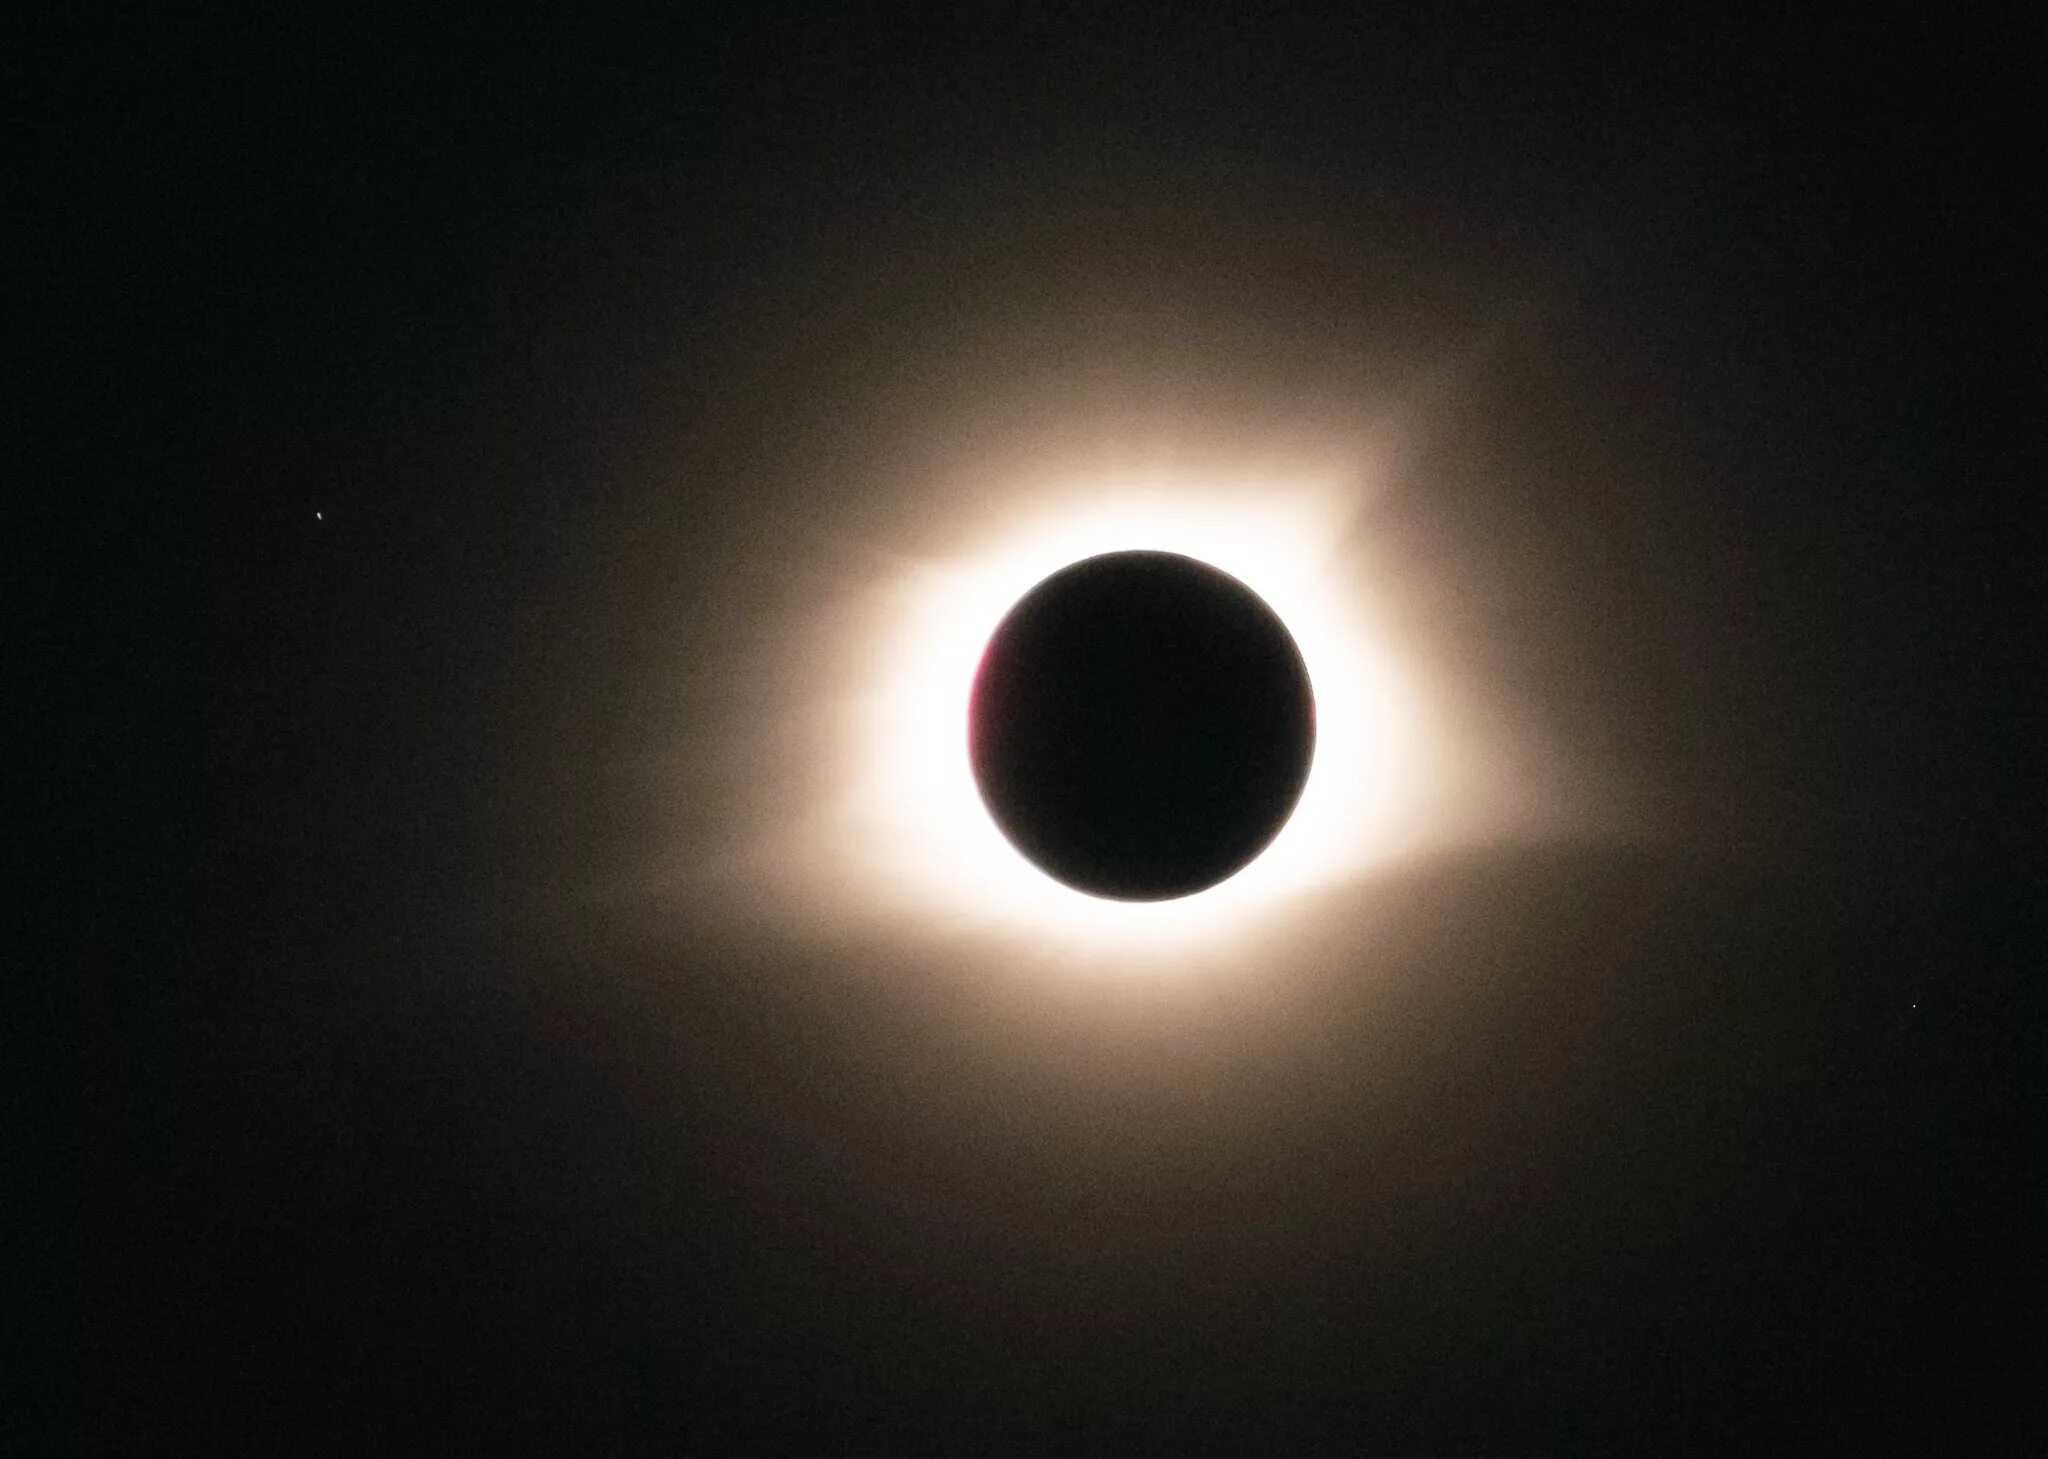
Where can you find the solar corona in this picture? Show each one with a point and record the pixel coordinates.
(1133, 717)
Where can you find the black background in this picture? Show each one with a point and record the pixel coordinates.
(593, 338)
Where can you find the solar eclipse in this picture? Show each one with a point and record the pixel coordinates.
(1141, 725)
(907, 835)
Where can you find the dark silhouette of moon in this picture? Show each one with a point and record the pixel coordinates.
(1141, 725)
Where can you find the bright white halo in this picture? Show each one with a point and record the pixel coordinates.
(911, 828)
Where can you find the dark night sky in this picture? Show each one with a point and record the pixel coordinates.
(604, 347)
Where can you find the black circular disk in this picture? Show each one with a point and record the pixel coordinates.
(1141, 725)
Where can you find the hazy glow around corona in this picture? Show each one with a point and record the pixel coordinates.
(912, 828)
